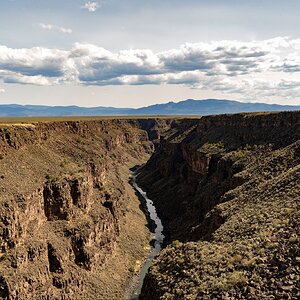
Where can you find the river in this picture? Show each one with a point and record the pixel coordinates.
(158, 240)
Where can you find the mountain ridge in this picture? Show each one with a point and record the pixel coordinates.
(185, 107)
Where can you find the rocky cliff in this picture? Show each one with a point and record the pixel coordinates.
(227, 189)
(68, 215)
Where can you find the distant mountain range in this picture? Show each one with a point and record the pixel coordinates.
(187, 107)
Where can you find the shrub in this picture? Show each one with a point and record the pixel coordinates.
(64, 162)
(176, 244)
(50, 178)
(237, 278)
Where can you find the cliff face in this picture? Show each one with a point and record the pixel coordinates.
(227, 189)
(66, 207)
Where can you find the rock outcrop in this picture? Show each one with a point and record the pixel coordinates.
(64, 202)
(227, 189)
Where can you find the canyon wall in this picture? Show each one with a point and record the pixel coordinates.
(68, 215)
(227, 189)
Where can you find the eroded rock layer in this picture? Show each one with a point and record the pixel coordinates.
(68, 227)
(228, 191)
(226, 187)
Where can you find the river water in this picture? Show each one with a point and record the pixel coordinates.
(158, 240)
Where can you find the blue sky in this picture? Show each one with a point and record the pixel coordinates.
(134, 53)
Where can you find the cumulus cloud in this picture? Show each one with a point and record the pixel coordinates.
(54, 27)
(91, 6)
(33, 61)
(290, 64)
(252, 69)
(253, 88)
(21, 79)
(95, 64)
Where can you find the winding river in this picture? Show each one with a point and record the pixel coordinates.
(158, 239)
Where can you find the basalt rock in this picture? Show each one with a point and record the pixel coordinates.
(64, 197)
(227, 190)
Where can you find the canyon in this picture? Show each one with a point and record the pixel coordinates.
(226, 188)
(71, 226)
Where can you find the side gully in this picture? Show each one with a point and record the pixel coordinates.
(158, 239)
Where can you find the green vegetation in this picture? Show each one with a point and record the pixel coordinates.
(51, 179)
(213, 146)
(232, 211)
(176, 243)
(64, 162)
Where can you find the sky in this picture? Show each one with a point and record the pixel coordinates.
(133, 53)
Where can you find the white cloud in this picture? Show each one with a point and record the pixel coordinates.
(251, 70)
(65, 30)
(46, 26)
(91, 6)
(96, 65)
(253, 89)
(22, 79)
(33, 66)
(290, 64)
(54, 27)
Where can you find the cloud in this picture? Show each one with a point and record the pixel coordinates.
(91, 6)
(290, 64)
(34, 65)
(21, 79)
(254, 89)
(54, 27)
(249, 69)
(95, 64)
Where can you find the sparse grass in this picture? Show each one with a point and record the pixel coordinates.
(255, 249)
(261, 217)
(29, 120)
(237, 278)
(51, 179)
(214, 146)
(4, 256)
(176, 243)
(64, 162)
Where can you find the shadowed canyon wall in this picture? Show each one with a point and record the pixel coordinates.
(227, 189)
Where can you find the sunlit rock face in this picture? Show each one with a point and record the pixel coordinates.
(67, 207)
(226, 188)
